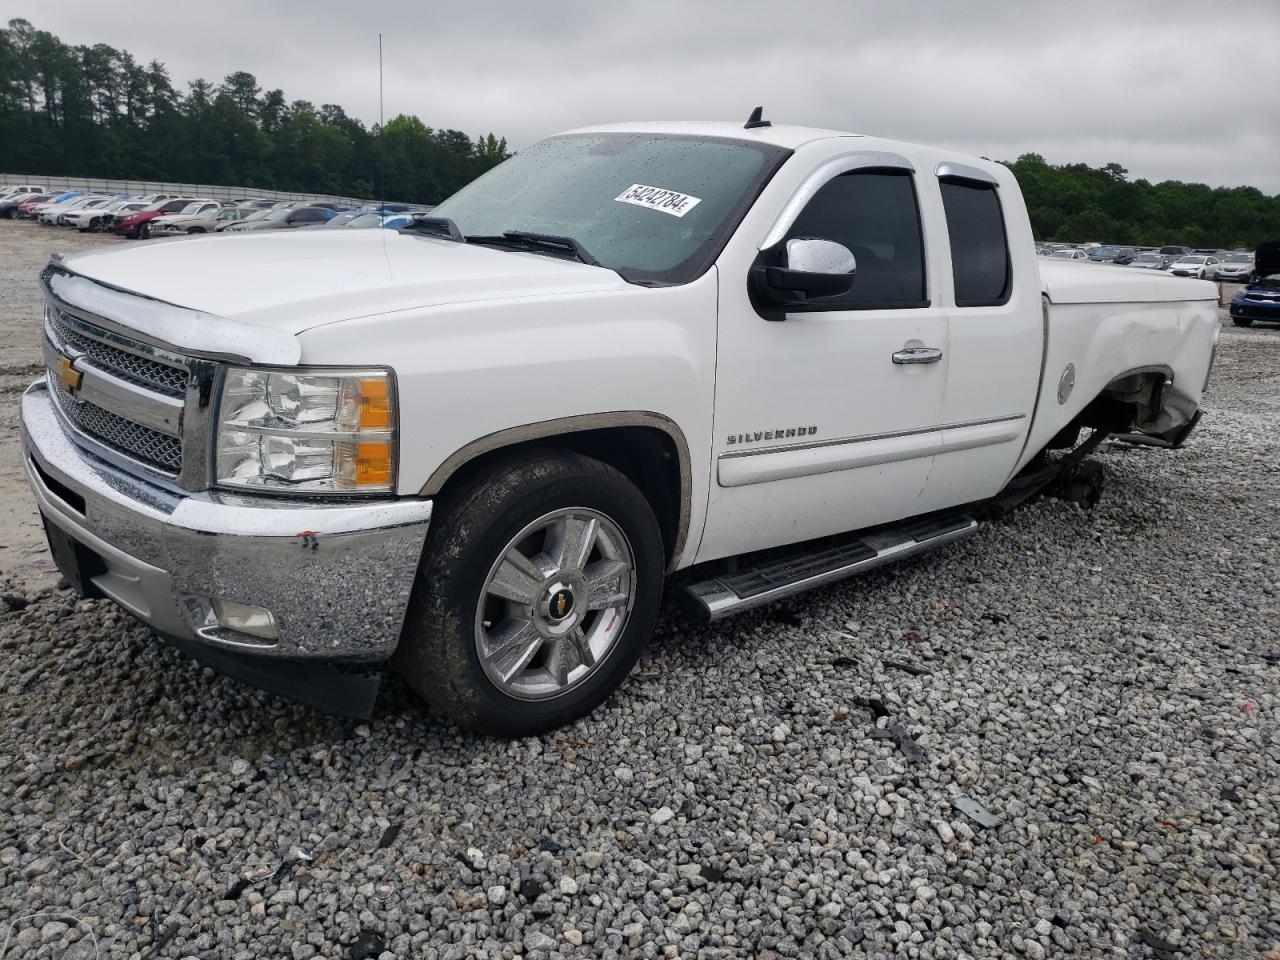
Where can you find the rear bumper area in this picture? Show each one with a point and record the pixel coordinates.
(336, 577)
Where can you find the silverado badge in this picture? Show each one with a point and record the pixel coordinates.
(778, 433)
(68, 375)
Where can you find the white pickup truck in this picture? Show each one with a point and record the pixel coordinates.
(476, 448)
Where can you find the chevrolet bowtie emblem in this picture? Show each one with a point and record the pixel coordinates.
(68, 375)
(561, 604)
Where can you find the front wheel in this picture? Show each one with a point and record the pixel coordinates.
(538, 589)
(1242, 321)
(144, 231)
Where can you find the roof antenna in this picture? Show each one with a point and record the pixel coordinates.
(754, 120)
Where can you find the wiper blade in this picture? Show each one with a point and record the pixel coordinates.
(526, 238)
(451, 231)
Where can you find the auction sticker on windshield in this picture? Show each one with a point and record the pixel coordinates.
(656, 198)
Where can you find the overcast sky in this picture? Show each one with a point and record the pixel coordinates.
(1168, 89)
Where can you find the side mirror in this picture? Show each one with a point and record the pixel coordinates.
(810, 269)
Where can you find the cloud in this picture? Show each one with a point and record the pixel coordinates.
(1170, 90)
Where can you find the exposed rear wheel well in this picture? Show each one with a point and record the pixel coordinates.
(647, 456)
(1125, 404)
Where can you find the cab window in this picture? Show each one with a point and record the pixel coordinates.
(875, 214)
(979, 247)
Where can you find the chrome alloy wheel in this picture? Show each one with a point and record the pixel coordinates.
(555, 603)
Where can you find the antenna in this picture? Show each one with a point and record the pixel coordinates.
(754, 120)
(382, 123)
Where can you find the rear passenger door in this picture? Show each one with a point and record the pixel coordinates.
(997, 334)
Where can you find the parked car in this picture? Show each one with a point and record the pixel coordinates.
(16, 188)
(415, 489)
(10, 204)
(90, 217)
(1149, 261)
(340, 220)
(98, 203)
(137, 225)
(254, 214)
(1110, 254)
(28, 209)
(48, 214)
(208, 221)
(283, 219)
(192, 208)
(369, 219)
(1235, 267)
(1174, 252)
(1070, 254)
(1260, 300)
(1197, 265)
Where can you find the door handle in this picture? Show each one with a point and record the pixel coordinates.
(917, 355)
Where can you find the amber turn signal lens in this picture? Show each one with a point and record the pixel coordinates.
(375, 404)
(373, 463)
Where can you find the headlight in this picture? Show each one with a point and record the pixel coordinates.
(312, 431)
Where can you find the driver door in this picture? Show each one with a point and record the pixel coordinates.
(827, 419)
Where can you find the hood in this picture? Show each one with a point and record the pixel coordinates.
(293, 280)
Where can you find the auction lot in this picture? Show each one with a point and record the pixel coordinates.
(1104, 682)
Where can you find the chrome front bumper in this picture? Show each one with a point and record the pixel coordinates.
(336, 576)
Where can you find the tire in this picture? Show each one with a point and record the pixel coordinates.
(196, 230)
(454, 612)
(144, 231)
(1242, 321)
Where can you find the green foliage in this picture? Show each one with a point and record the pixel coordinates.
(94, 111)
(1077, 203)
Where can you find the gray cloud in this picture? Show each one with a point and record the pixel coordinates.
(1170, 90)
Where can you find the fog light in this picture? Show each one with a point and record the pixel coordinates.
(245, 618)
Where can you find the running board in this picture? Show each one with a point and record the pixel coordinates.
(776, 578)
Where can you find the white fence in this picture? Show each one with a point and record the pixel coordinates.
(138, 187)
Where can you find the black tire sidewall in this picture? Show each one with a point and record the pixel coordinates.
(458, 563)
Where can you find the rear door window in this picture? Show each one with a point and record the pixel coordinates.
(979, 247)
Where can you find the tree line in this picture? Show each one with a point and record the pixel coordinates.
(94, 111)
(1077, 203)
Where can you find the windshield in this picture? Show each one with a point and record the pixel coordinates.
(1065, 254)
(656, 208)
(1146, 258)
(281, 214)
(192, 207)
(257, 215)
(365, 220)
(1193, 260)
(1239, 258)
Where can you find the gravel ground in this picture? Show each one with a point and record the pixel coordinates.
(789, 783)
(25, 247)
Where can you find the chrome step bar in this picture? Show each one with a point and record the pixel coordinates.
(804, 569)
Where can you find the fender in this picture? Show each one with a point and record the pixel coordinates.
(547, 429)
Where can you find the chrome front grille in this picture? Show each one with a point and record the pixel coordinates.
(144, 371)
(136, 441)
(120, 396)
